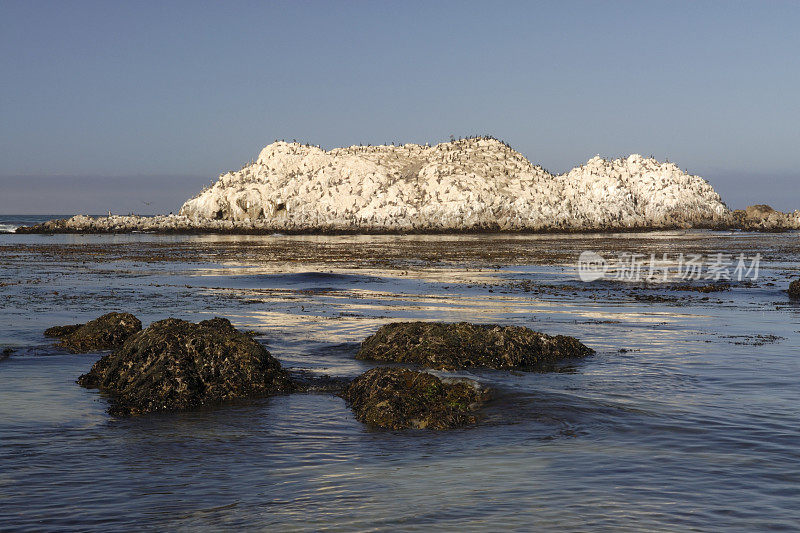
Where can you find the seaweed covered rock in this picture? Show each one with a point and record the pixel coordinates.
(61, 331)
(104, 333)
(176, 365)
(794, 290)
(464, 345)
(398, 398)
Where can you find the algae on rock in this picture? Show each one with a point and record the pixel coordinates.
(176, 365)
(463, 345)
(104, 333)
(398, 398)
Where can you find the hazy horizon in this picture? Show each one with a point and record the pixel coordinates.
(111, 105)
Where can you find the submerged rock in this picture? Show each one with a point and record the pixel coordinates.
(398, 398)
(104, 333)
(706, 288)
(794, 289)
(6, 353)
(176, 365)
(464, 345)
(308, 381)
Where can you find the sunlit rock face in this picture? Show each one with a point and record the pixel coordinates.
(478, 183)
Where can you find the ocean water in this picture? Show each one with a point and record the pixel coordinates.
(685, 419)
(8, 223)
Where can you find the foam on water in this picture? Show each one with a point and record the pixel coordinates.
(9, 223)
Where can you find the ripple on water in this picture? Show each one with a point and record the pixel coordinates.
(685, 428)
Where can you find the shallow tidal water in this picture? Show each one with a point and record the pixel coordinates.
(687, 418)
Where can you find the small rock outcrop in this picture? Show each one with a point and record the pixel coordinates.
(758, 211)
(177, 365)
(5, 353)
(464, 345)
(104, 333)
(398, 398)
(762, 217)
(794, 290)
(61, 331)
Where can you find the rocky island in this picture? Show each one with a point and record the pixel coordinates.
(474, 184)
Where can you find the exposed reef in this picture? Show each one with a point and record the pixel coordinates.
(398, 398)
(176, 365)
(476, 184)
(104, 333)
(464, 345)
(794, 290)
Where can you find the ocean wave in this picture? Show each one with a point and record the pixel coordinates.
(8, 228)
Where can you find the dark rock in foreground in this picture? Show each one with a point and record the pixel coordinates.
(176, 365)
(104, 333)
(794, 290)
(397, 398)
(465, 345)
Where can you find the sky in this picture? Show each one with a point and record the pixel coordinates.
(134, 106)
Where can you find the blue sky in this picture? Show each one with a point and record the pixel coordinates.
(170, 94)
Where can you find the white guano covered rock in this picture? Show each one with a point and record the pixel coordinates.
(471, 184)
